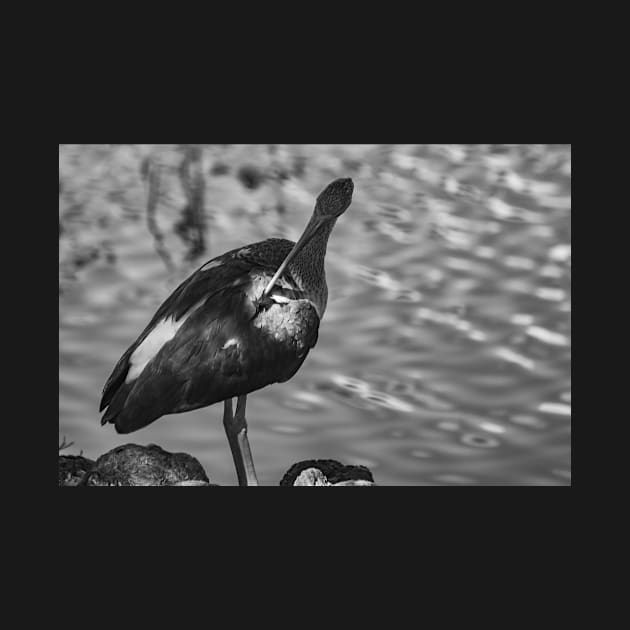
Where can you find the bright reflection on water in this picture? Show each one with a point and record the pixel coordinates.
(444, 357)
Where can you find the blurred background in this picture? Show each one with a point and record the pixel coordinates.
(444, 357)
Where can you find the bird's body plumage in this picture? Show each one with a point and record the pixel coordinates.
(225, 340)
(243, 320)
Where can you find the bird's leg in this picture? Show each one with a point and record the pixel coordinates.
(243, 442)
(236, 431)
(232, 436)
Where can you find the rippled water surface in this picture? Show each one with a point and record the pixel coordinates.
(444, 357)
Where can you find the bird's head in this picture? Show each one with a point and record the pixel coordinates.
(331, 203)
(334, 200)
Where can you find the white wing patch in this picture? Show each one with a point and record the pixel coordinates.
(229, 343)
(163, 332)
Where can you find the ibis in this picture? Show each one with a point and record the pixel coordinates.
(242, 321)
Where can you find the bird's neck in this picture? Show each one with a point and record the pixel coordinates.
(308, 266)
(311, 257)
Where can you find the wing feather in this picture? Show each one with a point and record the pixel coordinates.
(219, 303)
(201, 286)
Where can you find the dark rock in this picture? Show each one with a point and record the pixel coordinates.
(331, 472)
(135, 465)
(72, 468)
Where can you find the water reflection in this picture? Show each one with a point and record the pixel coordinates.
(444, 356)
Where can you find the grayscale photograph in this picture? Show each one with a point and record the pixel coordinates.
(314, 315)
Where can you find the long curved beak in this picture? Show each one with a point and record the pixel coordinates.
(311, 229)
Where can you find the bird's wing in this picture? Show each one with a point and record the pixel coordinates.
(223, 349)
(214, 276)
(217, 320)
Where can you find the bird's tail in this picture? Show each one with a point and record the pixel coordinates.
(126, 419)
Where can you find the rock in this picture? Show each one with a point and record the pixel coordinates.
(311, 477)
(326, 472)
(72, 468)
(135, 465)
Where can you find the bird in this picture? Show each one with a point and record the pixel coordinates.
(242, 321)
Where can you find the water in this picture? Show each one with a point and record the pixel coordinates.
(444, 357)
